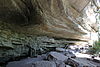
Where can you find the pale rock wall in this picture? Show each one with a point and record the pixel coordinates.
(57, 18)
(22, 20)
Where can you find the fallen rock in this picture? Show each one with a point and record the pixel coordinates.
(72, 62)
(43, 64)
(60, 49)
(79, 63)
(69, 54)
(60, 63)
(82, 55)
(23, 63)
(68, 66)
(56, 56)
(43, 56)
(94, 59)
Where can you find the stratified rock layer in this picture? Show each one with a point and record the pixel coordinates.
(25, 25)
(57, 18)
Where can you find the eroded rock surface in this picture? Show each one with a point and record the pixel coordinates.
(30, 27)
(57, 18)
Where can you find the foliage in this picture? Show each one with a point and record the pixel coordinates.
(96, 48)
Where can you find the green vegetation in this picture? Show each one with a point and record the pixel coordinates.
(96, 48)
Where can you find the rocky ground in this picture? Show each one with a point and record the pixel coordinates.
(73, 56)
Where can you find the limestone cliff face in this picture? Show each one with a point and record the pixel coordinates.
(21, 20)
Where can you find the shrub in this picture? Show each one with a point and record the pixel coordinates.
(96, 48)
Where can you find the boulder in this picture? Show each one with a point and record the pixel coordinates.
(56, 56)
(43, 64)
(60, 63)
(79, 62)
(70, 55)
(68, 66)
(23, 63)
(60, 49)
